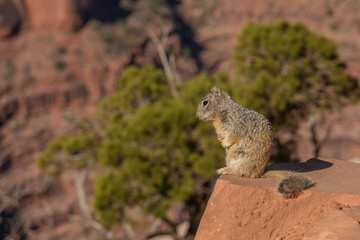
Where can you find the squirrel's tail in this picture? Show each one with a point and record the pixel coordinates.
(291, 186)
(291, 183)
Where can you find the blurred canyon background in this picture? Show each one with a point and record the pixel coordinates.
(58, 58)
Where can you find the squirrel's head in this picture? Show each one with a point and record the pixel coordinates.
(209, 105)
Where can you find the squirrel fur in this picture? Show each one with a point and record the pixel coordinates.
(247, 137)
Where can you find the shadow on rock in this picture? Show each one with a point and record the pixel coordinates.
(312, 164)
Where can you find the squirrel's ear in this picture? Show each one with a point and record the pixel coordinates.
(215, 90)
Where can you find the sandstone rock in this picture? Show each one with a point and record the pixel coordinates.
(241, 208)
(338, 225)
(54, 14)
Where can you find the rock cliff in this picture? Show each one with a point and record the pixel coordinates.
(241, 208)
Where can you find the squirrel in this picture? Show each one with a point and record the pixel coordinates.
(247, 137)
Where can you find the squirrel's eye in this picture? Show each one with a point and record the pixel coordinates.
(205, 103)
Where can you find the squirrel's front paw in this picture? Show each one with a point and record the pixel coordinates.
(223, 171)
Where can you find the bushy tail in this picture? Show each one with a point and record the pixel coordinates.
(291, 186)
(291, 183)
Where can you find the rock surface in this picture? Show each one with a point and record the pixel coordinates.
(59, 14)
(241, 208)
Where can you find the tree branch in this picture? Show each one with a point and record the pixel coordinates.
(165, 61)
(318, 143)
(158, 234)
(80, 190)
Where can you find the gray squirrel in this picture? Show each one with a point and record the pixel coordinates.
(247, 137)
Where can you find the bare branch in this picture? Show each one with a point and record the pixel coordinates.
(172, 61)
(80, 189)
(158, 234)
(80, 185)
(315, 139)
(129, 231)
(153, 228)
(165, 61)
(165, 35)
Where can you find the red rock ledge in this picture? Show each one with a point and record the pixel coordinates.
(242, 208)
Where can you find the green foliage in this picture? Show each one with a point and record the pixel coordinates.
(334, 26)
(137, 88)
(60, 65)
(159, 152)
(328, 10)
(285, 72)
(70, 151)
(154, 148)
